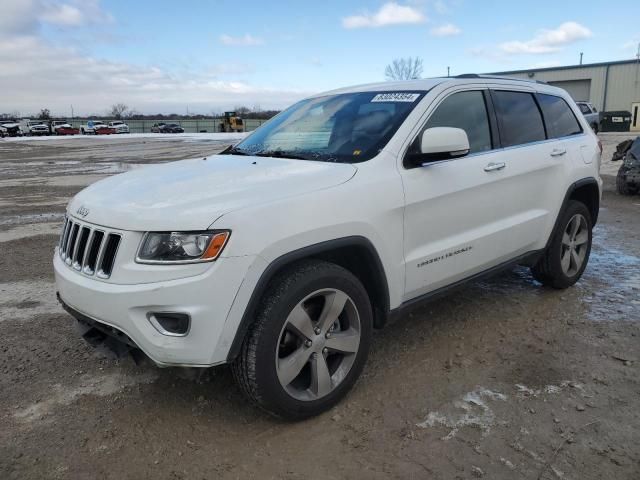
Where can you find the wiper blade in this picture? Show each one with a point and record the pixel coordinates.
(280, 154)
(234, 151)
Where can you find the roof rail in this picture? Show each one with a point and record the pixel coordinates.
(498, 77)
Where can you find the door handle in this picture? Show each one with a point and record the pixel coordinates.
(494, 166)
(557, 152)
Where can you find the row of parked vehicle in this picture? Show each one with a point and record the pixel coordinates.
(14, 128)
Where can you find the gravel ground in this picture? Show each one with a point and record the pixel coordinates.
(503, 379)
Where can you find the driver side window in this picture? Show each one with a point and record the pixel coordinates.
(465, 110)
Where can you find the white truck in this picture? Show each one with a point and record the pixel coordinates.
(282, 254)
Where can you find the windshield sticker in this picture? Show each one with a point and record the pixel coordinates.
(396, 97)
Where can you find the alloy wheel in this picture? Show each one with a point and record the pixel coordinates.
(575, 243)
(318, 344)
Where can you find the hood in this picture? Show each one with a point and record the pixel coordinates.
(192, 194)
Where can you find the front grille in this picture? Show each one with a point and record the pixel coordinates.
(87, 249)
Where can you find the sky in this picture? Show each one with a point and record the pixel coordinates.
(204, 56)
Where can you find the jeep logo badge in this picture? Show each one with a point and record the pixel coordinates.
(83, 211)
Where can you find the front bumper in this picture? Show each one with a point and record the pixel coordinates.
(206, 298)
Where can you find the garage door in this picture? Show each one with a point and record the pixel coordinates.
(578, 89)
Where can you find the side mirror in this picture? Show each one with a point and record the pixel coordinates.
(440, 143)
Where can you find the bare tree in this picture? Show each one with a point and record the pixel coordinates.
(118, 110)
(404, 69)
(45, 114)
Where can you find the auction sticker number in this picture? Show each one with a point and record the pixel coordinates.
(395, 97)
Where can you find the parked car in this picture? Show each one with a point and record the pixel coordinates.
(10, 128)
(119, 126)
(54, 125)
(89, 127)
(34, 127)
(166, 128)
(67, 130)
(281, 255)
(591, 114)
(628, 177)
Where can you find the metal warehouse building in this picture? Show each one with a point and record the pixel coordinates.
(609, 86)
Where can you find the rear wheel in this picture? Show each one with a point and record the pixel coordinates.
(309, 342)
(566, 257)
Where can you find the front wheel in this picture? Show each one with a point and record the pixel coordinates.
(567, 255)
(309, 342)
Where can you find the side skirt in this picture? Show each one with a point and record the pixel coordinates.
(528, 259)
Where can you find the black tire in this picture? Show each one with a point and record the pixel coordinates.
(548, 270)
(622, 186)
(255, 368)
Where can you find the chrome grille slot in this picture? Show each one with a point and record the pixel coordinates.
(108, 256)
(71, 242)
(81, 246)
(87, 249)
(91, 259)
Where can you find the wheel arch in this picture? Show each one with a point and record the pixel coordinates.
(585, 190)
(355, 253)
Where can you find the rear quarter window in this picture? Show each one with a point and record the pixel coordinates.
(519, 117)
(560, 120)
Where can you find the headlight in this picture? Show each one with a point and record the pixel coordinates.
(182, 247)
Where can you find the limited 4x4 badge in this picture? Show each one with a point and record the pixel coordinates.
(445, 255)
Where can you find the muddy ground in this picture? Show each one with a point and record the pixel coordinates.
(504, 379)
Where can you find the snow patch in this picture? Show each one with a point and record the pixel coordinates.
(472, 410)
(22, 300)
(30, 230)
(100, 386)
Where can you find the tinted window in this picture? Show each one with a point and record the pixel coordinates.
(520, 119)
(465, 110)
(560, 120)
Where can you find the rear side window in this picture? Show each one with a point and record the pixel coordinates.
(465, 110)
(519, 116)
(560, 120)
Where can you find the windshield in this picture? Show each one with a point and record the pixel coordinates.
(350, 127)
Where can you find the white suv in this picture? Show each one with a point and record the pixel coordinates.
(281, 255)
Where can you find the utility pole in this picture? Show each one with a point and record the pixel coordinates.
(71, 112)
(581, 53)
(447, 71)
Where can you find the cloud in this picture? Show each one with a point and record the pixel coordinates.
(244, 41)
(26, 17)
(61, 76)
(548, 41)
(632, 44)
(389, 14)
(446, 30)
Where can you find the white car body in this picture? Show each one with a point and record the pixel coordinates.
(91, 127)
(119, 126)
(274, 207)
(56, 124)
(34, 127)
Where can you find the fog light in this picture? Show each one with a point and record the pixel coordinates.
(173, 324)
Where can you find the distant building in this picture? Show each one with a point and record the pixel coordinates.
(609, 86)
